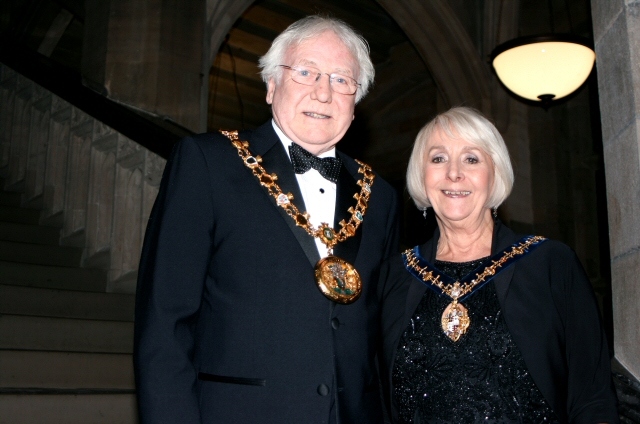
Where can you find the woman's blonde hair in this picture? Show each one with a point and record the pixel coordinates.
(471, 125)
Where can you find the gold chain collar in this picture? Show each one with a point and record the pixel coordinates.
(324, 232)
(455, 318)
(457, 290)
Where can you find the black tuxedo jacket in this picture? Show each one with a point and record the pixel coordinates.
(551, 313)
(230, 325)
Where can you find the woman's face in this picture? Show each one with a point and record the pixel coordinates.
(458, 178)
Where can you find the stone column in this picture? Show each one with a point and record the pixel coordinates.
(616, 27)
(148, 54)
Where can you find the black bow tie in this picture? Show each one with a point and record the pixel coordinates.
(303, 161)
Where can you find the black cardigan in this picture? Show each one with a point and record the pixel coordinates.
(551, 312)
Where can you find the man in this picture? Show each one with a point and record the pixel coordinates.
(238, 320)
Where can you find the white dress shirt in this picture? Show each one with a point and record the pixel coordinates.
(319, 193)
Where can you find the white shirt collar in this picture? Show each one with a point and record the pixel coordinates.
(286, 142)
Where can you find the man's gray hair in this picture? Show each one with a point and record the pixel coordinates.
(310, 27)
(472, 126)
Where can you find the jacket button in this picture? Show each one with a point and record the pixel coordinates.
(323, 390)
(335, 323)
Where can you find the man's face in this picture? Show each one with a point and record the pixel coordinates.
(313, 116)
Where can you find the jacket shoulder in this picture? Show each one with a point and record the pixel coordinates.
(206, 140)
(214, 147)
(557, 252)
(550, 248)
(352, 166)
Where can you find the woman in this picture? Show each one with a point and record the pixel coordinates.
(480, 324)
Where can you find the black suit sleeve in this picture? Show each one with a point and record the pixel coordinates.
(590, 395)
(390, 250)
(393, 225)
(171, 278)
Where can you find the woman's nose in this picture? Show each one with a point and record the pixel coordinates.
(454, 173)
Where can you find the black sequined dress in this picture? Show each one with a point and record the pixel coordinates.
(480, 378)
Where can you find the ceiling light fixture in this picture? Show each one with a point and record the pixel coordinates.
(544, 67)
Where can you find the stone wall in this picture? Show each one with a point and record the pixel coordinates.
(616, 25)
(148, 54)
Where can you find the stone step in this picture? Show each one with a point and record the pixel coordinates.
(19, 215)
(10, 198)
(64, 370)
(19, 332)
(71, 408)
(27, 233)
(36, 202)
(57, 277)
(33, 301)
(30, 253)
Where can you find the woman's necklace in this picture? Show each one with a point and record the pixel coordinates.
(337, 279)
(455, 319)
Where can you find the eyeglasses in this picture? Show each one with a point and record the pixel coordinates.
(309, 75)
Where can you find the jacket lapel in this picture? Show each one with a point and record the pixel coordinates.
(417, 288)
(503, 237)
(265, 142)
(346, 187)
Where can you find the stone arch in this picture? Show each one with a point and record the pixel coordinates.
(446, 48)
(220, 17)
(432, 27)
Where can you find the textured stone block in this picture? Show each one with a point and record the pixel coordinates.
(7, 97)
(626, 292)
(633, 27)
(39, 254)
(65, 370)
(603, 12)
(101, 195)
(622, 166)
(57, 157)
(67, 335)
(615, 81)
(20, 129)
(69, 409)
(35, 301)
(127, 226)
(66, 278)
(39, 136)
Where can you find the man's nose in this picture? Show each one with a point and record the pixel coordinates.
(322, 88)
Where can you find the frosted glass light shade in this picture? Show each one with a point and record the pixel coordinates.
(543, 67)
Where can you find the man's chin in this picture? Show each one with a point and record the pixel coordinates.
(318, 145)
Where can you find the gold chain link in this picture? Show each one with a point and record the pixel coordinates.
(457, 290)
(326, 234)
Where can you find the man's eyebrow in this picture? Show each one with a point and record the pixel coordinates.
(308, 62)
(346, 71)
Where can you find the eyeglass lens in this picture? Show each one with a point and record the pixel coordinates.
(308, 75)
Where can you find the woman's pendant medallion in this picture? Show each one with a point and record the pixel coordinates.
(455, 320)
(338, 280)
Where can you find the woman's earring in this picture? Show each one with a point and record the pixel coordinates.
(495, 212)
(424, 212)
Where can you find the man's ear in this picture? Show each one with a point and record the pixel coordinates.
(271, 88)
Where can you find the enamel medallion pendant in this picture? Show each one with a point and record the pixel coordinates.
(455, 320)
(338, 280)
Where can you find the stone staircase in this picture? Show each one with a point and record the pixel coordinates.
(65, 344)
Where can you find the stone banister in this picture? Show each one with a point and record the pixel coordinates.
(91, 180)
